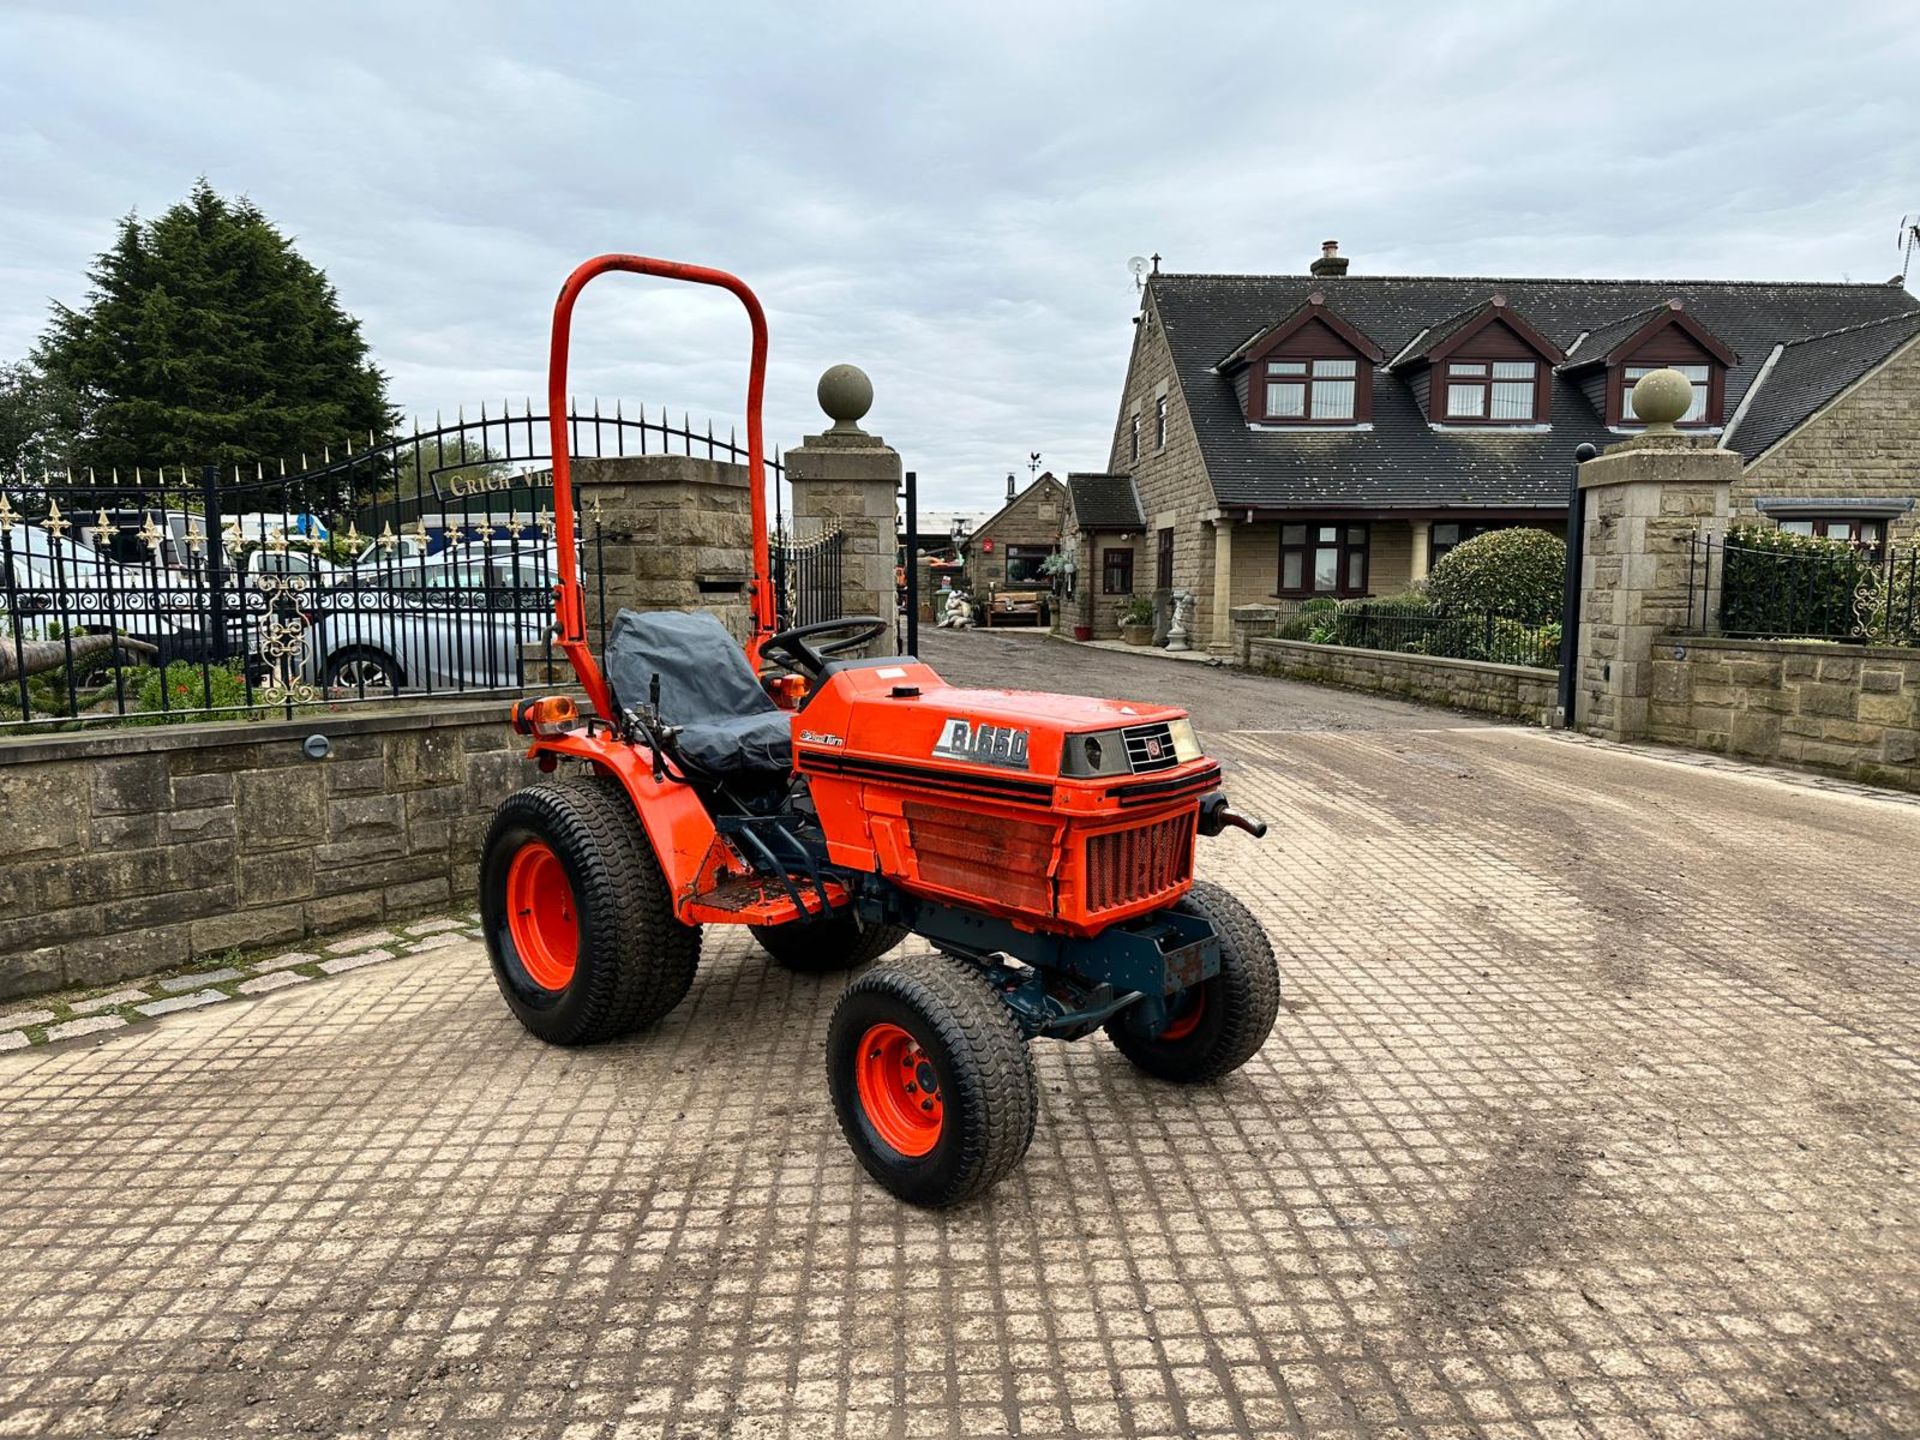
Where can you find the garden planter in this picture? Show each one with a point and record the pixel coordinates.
(1137, 634)
(1083, 632)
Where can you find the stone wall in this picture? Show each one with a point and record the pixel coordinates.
(127, 851)
(1171, 479)
(1849, 710)
(1090, 604)
(1516, 692)
(1862, 445)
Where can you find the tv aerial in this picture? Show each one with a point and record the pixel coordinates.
(1908, 240)
(1138, 267)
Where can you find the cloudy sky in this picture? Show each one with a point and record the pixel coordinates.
(946, 195)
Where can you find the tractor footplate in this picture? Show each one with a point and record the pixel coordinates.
(753, 901)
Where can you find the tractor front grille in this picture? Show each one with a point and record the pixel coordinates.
(1010, 861)
(1127, 866)
(1150, 747)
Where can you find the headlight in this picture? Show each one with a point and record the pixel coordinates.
(1102, 753)
(1185, 746)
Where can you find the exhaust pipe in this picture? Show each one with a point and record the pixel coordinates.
(1216, 817)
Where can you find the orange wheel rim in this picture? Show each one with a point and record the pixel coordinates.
(1188, 1020)
(899, 1090)
(541, 917)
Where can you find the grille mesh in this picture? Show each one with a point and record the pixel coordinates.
(1124, 866)
(1150, 747)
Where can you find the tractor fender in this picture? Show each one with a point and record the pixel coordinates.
(676, 821)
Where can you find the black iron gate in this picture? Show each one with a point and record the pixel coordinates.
(806, 576)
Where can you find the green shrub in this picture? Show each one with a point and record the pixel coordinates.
(189, 694)
(1776, 583)
(1521, 573)
(1413, 624)
(1516, 644)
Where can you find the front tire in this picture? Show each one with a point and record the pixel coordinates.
(931, 1079)
(364, 671)
(1218, 1025)
(833, 942)
(579, 926)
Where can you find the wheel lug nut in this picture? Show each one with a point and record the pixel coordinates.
(926, 1104)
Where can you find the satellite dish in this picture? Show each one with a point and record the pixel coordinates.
(1138, 267)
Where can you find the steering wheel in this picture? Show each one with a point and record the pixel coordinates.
(792, 647)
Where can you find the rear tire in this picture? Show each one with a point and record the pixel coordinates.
(579, 926)
(1218, 1025)
(931, 1079)
(819, 947)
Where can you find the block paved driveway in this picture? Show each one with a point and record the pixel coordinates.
(1591, 1113)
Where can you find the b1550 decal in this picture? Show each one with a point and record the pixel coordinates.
(983, 744)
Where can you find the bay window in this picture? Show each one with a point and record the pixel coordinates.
(1447, 534)
(1323, 557)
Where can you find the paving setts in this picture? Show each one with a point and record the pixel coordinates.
(1591, 1112)
(62, 1017)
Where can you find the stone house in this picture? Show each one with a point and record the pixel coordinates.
(1105, 537)
(1292, 436)
(1007, 549)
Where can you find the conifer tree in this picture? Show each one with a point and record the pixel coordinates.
(206, 337)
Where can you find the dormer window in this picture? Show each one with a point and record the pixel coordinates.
(1607, 360)
(1487, 365)
(1697, 412)
(1312, 368)
(1311, 389)
(1496, 390)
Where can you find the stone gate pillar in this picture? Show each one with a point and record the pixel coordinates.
(847, 478)
(1646, 499)
(664, 532)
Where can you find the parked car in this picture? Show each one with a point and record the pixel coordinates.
(55, 584)
(456, 620)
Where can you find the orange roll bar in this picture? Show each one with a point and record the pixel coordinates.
(570, 607)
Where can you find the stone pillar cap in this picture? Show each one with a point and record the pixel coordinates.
(1661, 397)
(846, 395)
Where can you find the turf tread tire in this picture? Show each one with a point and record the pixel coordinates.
(820, 947)
(1246, 995)
(636, 961)
(986, 1066)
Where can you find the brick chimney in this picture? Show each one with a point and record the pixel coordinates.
(1331, 264)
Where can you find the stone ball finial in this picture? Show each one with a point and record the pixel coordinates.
(846, 394)
(1661, 397)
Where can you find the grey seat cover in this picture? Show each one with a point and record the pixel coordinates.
(706, 685)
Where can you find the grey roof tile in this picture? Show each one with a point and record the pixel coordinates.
(1810, 372)
(1105, 502)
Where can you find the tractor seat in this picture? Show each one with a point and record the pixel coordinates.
(730, 725)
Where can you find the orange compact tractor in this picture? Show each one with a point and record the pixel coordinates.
(834, 805)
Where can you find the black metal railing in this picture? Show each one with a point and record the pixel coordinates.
(806, 576)
(418, 565)
(1436, 631)
(1763, 584)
